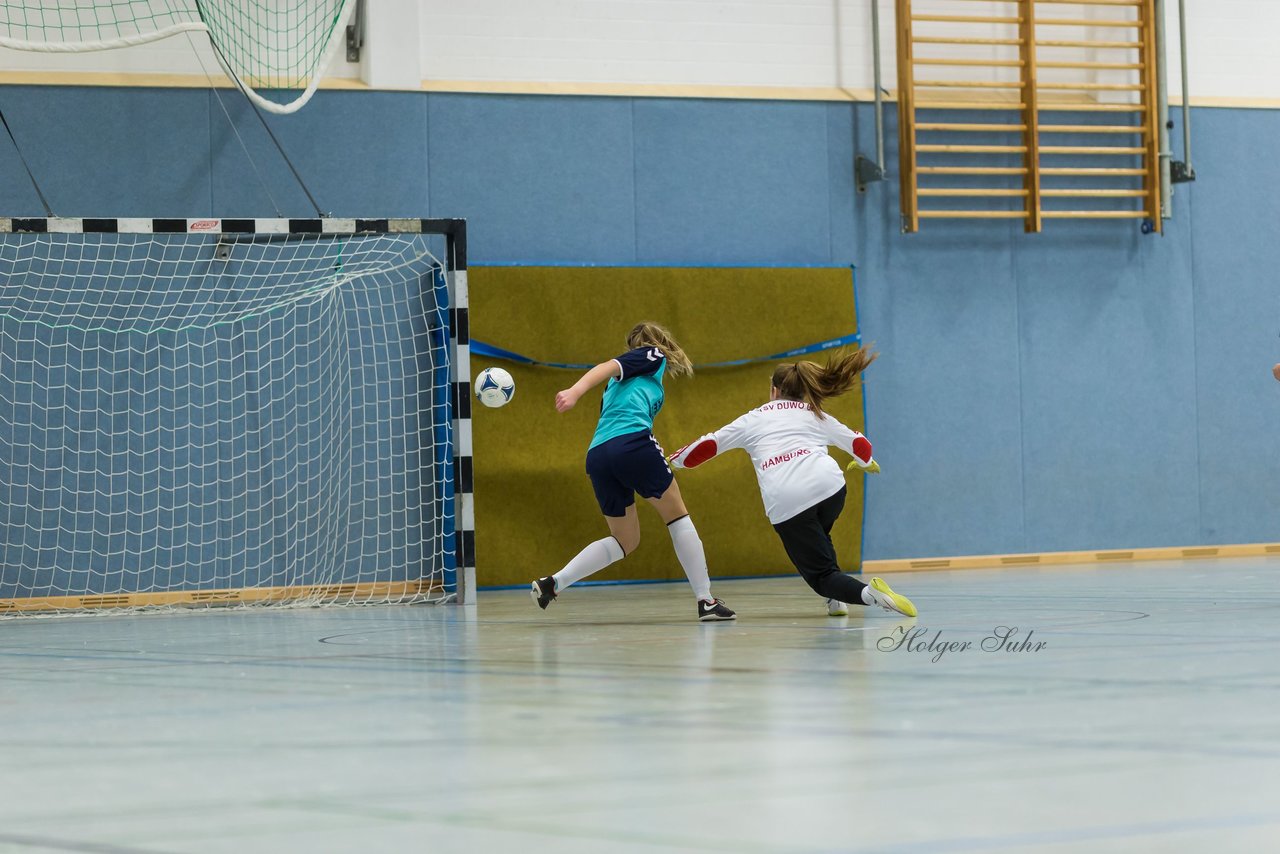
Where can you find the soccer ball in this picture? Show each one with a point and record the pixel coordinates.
(495, 387)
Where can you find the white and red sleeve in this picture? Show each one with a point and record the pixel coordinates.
(698, 452)
(848, 440)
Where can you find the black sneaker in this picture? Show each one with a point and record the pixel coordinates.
(543, 591)
(714, 610)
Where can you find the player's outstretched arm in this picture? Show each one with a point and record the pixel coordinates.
(733, 435)
(696, 452)
(851, 442)
(566, 399)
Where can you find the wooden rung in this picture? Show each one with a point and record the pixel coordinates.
(968, 84)
(1102, 45)
(969, 191)
(972, 170)
(1094, 193)
(968, 19)
(983, 63)
(1090, 214)
(1089, 170)
(973, 128)
(1092, 87)
(1050, 107)
(973, 149)
(969, 105)
(1094, 2)
(1091, 149)
(1085, 22)
(973, 214)
(1132, 129)
(1091, 65)
(942, 40)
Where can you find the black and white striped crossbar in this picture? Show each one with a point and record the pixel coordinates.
(226, 225)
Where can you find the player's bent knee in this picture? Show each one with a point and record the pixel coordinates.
(821, 581)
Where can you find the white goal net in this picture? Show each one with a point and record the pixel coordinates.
(275, 50)
(193, 418)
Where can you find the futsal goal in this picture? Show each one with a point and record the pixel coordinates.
(233, 411)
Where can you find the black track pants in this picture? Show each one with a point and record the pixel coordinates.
(807, 539)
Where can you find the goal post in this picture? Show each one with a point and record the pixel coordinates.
(233, 411)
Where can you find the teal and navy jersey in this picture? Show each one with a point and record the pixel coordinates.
(632, 401)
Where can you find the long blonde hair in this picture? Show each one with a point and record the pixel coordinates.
(649, 334)
(814, 383)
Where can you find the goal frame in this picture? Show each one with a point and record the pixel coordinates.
(454, 232)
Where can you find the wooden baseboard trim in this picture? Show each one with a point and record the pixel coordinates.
(318, 593)
(140, 80)
(561, 87)
(650, 90)
(1105, 556)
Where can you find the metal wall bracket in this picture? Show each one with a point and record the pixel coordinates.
(355, 33)
(866, 171)
(1181, 173)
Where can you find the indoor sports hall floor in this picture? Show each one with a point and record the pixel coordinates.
(1150, 721)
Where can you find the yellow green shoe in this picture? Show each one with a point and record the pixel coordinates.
(890, 601)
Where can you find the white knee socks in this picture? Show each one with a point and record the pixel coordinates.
(601, 553)
(694, 560)
(593, 558)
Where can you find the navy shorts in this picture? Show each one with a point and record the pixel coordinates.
(625, 465)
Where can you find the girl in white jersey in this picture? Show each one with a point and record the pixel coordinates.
(802, 486)
(624, 459)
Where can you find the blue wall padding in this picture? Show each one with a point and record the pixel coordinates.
(1084, 388)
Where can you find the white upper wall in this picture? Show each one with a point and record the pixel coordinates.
(1231, 49)
(794, 44)
(700, 42)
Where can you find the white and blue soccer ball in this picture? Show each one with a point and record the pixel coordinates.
(495, 387)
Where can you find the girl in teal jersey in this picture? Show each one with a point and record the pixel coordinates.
(624, 459)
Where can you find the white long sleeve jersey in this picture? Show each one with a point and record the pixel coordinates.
(788, 447)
